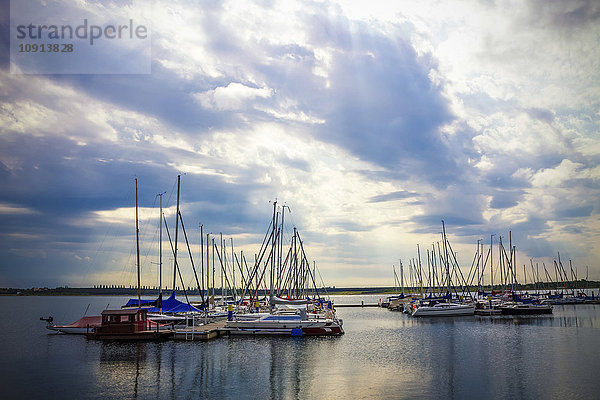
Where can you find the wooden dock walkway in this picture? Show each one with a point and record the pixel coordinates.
(356, 305)
(488, 312)
(202, 332)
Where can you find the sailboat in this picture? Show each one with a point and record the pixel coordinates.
(170, 310)
(129, 324)
(442, 306)
(443, 309)
(397, 302)
(291, 315)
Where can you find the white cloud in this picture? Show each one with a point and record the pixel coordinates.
(556, 177)
(14, 209)
(231, 97)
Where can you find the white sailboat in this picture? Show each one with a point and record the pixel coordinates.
(296, 315)
(443, 309)
(283, 322)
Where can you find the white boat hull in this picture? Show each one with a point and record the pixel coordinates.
(283, 325)
(70, 331)
(444, 310)
(79, 327)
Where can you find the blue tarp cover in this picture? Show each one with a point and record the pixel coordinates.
(135, 302)
(170, 305)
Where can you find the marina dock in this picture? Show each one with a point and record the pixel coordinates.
(202, 332)
(356, 305)
(488, 311)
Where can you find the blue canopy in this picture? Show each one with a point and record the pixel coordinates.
(170, 305)
(135, 302)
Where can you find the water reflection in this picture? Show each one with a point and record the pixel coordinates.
(119, 366)
(382, 355)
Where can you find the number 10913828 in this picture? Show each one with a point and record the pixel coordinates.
(46, 48)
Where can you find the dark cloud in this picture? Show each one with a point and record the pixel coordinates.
(502, 177)
(574, 212)
(506, 198)
(296, 163)
(434, 222)
(540, 114)
(349, 226)
(5, 34)
(377, 99)
(574, 230)
(398, 195)
(158, 95)
(562, 15)
(386, 110)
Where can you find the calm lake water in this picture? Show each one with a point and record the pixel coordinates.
(383, 355)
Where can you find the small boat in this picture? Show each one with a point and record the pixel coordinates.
(127, 325)
(400, 303)
(525, 309)
(282, 324)
(166, 319)
(443, 309)
(79, 327)
(291, 320)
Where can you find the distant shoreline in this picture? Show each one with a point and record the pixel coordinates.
(128, 291)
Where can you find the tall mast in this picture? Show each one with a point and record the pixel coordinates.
(233, 271)
(401, 277)
(512, 266)
(221, 258)
(176, 233)
(492, 263)
(420, 266)
(501, 263)
(477, 267)
(280, 251)
(272, 256)
(202, 258)
(160, 252)
(137, 245)
(213, 270)
(446, 254)
(207, 273)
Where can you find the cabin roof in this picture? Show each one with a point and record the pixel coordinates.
(128, 311)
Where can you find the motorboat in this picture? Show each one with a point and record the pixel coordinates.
(442, 309)
(79, 327)
(291, 320)
(283, 324)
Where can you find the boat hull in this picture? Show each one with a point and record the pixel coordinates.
(283, 325)
(535, 310)
(79, 327)
(301, 331)
(70, 331)
(135, 336)
(455, 310)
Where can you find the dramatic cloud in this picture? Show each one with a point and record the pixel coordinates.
(372, 123)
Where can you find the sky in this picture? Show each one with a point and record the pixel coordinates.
(372, 121)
